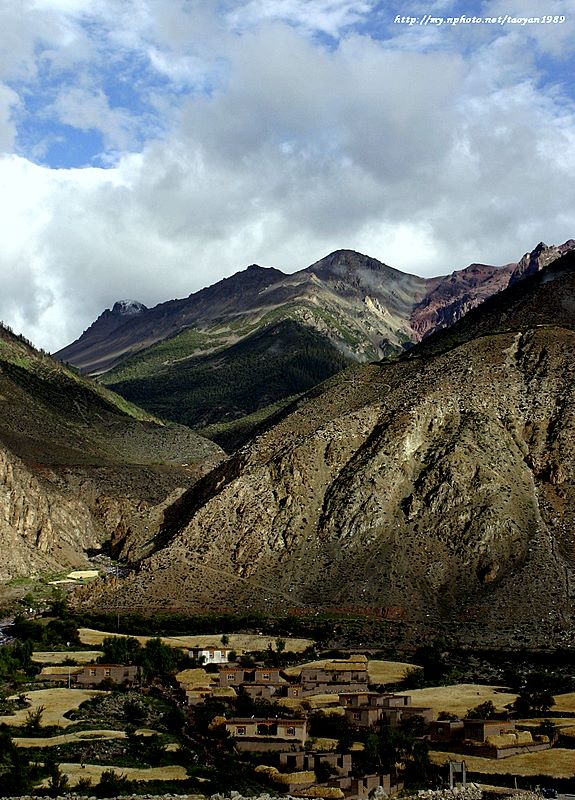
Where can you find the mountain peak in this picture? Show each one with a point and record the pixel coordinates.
(128, 307)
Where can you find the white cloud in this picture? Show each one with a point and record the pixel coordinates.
(327, 16)
(89, 109)
(426, 160)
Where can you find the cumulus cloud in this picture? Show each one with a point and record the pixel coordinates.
(242, 138)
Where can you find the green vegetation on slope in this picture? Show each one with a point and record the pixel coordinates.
(185, 344)
(51, 414)
(271, 365)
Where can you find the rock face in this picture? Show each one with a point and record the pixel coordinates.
(41, 529)
(450, 298)
(440, 485)
(79, 467)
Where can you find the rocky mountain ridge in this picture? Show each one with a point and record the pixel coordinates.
(383, 303)
(436, 489)
(360, 308)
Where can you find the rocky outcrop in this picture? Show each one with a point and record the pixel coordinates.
(40, 529)
(452, 297)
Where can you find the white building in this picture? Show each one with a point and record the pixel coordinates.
(210, 654)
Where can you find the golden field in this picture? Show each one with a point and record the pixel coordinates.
(237, 641)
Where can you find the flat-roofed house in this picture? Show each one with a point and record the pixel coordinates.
(210, 654)
(259, 734)
(367, 709)
(95, 674)
(335, 677)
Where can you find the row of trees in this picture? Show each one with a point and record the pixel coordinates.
(156, 659)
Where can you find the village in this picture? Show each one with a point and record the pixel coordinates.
(329, 728)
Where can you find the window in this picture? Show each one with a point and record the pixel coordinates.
(241, 730)
(267, 729)
(107, 673)
(290, 731)
(92, 672)
(266, 676)
(231, 676)
(356, 715)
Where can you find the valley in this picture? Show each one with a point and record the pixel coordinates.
(162, 729)
(394, 534)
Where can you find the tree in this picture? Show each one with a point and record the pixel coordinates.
(34, 719)
(484, 710)
(159, 660)
(532, 703)
(225, 640)
(57, 781)
(121, 650)
(111, 784)
(447, 716)
(16, 776)
(414, 678)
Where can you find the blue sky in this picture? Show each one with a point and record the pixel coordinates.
(151, 147)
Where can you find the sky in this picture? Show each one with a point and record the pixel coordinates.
(149, 148)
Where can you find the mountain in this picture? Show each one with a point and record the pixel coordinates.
(80, 466)
(436, 489)
(181, 359)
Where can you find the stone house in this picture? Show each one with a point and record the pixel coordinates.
(446, 730)
(477, 730)
(95, 674)
(341, 763)
(368, 709)
(259, 735)
(236, 676)
(265, 682)
(334, 677)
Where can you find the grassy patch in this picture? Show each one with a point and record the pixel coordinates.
(75, 771)
(58, 656)
(459, 698)
(56, 702)
(554, 763)
(237, 641)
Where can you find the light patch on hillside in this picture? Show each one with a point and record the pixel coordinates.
(56, 703)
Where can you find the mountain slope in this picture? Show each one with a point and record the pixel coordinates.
(275, 362)
(79, 464)
(362, 308)
(438, 487)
